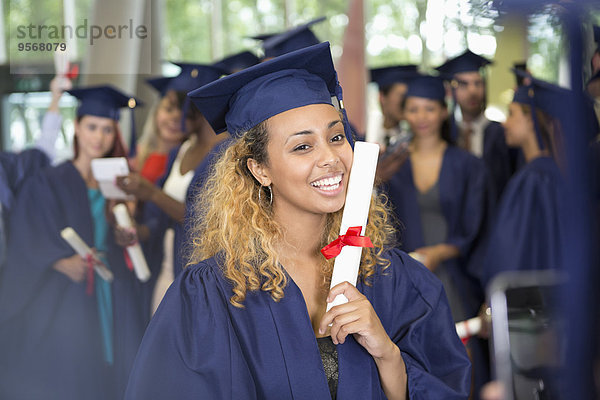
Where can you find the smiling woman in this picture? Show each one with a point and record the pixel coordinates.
(243, 320)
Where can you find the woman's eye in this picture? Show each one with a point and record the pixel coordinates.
(301, 147)
(337, 138)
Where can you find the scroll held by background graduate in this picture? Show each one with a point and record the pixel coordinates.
(134, 251)
(84, 251)
(347, 248)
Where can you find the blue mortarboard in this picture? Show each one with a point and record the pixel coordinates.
(466, 62)
(102, 101)
(544, 96)
(294, 39)
(387, 76)
(242, 100)
(237, 62)
(597, 37)
(191, 76)
(106, 101)
(429, 87)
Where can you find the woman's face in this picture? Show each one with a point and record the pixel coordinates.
(95, 136)
(168, 119)
(309, 160)
(425, 116)
(518, 127)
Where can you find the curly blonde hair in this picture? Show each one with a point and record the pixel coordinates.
(231, 219)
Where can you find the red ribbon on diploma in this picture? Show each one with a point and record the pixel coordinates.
(351, 238)
(89, 259)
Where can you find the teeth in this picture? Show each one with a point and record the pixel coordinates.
(328, 183)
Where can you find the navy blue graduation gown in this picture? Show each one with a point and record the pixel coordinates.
(502, 161)
(15, 168)
(50, 336)
(466, 202)
(200, 346)
(526, 233)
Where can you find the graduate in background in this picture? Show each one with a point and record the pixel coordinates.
(163, 130)
(162, 223)
(442, 199)
(248, 319)
(66, 333)
(476, 133)
(439, 196)
(526, 232)
(392, 82)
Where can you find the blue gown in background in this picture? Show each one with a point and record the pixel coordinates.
(51, 337)
(526, 233)
(15, 168)
(466, 202)
(502, 161)
(200, 346)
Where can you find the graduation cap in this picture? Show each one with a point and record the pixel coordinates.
(466, 62)
(597, 37)
(296, 38)
(427, 86)
(387, 76)
(242, 100)
(544, 96)
(190, 77)
(238, 61)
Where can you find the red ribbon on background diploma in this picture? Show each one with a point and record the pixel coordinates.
(89, 259)
(351, 238)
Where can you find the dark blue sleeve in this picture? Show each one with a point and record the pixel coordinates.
(190, 350)
(17, 167)
(422, 327)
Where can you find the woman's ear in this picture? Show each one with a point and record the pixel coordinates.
(259, 172)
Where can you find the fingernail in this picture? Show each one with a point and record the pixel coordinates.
(321, 331)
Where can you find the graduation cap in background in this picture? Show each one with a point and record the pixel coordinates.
(296, 38)
(597, 37)
(237, 62)
(190, 77)
(544, 96)
(106, 101)
(426, 86)
(466, 62)
(242, 100)
(387, 76)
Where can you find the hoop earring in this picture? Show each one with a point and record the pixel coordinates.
(270, 194)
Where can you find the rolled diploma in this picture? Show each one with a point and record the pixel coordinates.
(356, 211)
(83, 250)
(468, 328)
(140, 266)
